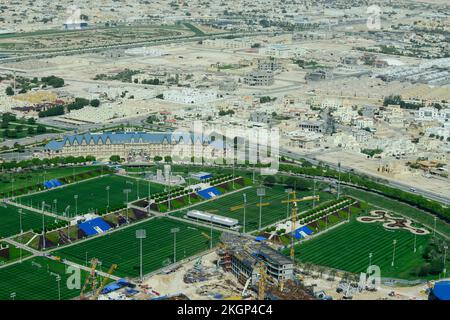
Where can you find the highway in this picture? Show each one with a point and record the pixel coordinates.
(344, 169)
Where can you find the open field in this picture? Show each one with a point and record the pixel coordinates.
(50, 40)
(28, 178)
(122, 247)
(92, 195)
(348, 246)
(273, 209)
(35, 279)
(10, 220)
(399, 207)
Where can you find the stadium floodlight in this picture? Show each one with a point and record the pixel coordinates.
(245, 207)
(13, 295)
(260, 192)
(76, 204)
(370, 258)
(288, 191)
(21, 231)
(174, 231)
(393, 253)
(58, 280)
(445, 260)
(107, 197)
(126, 192)
(55, 202)
(141, 234)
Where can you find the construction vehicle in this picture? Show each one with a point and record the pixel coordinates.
(294, 216)
(91, 279)
(104, 282)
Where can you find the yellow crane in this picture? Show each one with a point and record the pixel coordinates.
(104, 282)
(294, 215)
(90, 279)
(262, 281)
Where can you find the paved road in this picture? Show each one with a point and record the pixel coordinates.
(399, 185)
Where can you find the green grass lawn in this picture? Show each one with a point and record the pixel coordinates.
(122, 247)
(35, 279)
(348, 246)
(29, 178)
(401, 208)
(272, 213)
(10, 220)
(92, 195)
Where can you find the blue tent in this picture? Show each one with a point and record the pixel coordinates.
(441, 290)
(94, 226)
(209, 193)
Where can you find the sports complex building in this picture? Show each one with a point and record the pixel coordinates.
(136, 145)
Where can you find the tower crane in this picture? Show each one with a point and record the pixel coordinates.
(295, 200)
(105, 280)
(90, 279)
(262, 280)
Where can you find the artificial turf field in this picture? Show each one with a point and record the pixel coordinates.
(31, 282)
(348, 246)
(36, 177)
(10, 220)
(122, 247)
(272, 213)
(92, 195)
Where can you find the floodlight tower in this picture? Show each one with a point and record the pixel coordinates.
(245, 206)
(141, 234)
(260, 192)
(174, 232)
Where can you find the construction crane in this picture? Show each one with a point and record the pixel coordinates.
(294, 216)
(262, 281)
(90, 279)
(105, 280)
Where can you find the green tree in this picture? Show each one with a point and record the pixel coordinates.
(114, 158)
(9, 91)
(95, 103)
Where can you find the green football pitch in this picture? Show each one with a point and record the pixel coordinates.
(273, 209)
(348, 246)
(17, 180)
(92, 195)
(35, 279)
(122, 248)
(10, 220)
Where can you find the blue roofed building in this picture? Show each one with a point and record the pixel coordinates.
(137, 145)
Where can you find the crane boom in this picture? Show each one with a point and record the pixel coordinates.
(105, 280)
(91, 277)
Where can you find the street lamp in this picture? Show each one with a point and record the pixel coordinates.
(434, 231)
(260, 192)
(393, 253)
(174, 231)
(141, 234)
